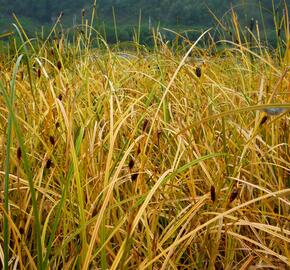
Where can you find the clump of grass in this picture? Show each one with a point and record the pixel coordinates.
(143, 162)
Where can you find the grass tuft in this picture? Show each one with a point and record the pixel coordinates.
(130, 157)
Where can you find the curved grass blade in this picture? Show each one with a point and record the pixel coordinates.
(7, 165)
(62, 200)
(27, 169)
(27, 61)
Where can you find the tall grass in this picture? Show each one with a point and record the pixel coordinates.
(152, 158)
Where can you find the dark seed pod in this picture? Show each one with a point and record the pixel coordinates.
(212, 193)
(59, 65)
(52, 140)
(145, 124)
(39, 73)
(134, 176)
(48, 164)
(264, 119)
(21, 230)
(19, 153)
(131, 163)
(57, 125)
(234, 195)
(95, 212)
(60, 97)
(198, 72)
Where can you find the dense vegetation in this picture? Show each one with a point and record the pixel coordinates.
(178, 15)
(173, 156)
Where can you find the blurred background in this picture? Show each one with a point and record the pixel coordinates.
(187, 16)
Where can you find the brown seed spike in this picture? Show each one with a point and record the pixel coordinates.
(212, 193)
(134, 176)
(234, 195)
(19, 153)
(145, 124)
(131, 163)
(52, 140)
(198, 72)
(59, 65)
(48, 164)
(264, 119)
(60, 97)
(39, 73)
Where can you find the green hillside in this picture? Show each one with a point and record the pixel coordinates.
(178, 15)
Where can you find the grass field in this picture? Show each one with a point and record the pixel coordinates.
(170, 157)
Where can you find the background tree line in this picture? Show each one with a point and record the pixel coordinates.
(177, 15)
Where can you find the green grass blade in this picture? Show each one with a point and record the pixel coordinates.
(62, 201)
(7, 165)
(27, 62)
(27, 169)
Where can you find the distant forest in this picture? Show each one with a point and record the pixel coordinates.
(177, 15)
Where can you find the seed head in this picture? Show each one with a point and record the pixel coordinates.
(52, 140)
(19, 153)
(234, 194)
(134, 176)
(131, 163)
(212, 193)
(145, 124)
(264, 119)
(59, 65)
(198, 72)
(48, 163)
